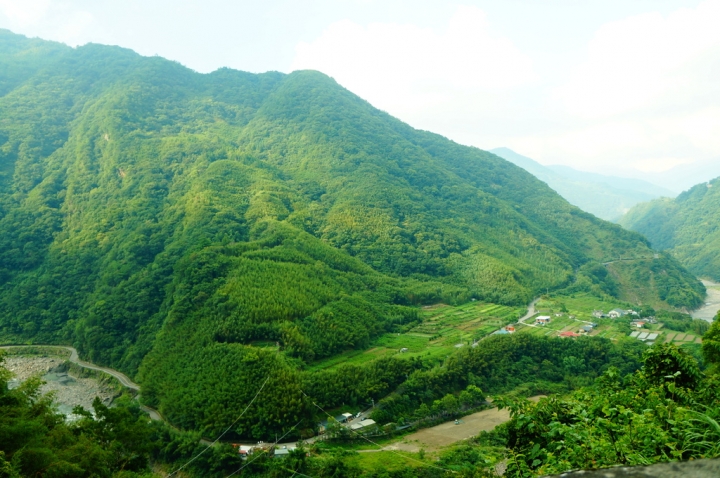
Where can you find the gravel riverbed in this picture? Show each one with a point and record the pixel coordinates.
(69, 390)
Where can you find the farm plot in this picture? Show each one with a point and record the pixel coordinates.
(443, 329)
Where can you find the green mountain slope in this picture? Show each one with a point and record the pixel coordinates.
(205, 233)
(607, 197)
(688, 226)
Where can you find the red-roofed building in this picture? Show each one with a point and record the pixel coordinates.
(568, 333)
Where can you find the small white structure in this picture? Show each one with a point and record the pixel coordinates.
(542, 320)
(364, 425)
(616, 313)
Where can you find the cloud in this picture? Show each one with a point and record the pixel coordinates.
(61, 21)
(645, 95)
(26, 12)
(406, 69)
(642, 60)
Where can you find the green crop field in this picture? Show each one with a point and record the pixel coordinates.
(442, 329)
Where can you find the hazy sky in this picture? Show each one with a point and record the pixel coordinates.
(596, 84)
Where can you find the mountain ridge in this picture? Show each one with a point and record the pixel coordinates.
(204, 233)
(608, 197)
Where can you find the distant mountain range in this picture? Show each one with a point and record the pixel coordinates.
(682, 177)
(607, 197)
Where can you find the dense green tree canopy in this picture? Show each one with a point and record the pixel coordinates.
(687, 226)
(204, 232)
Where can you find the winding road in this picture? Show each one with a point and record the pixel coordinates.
(531, 311)
(121, 377)
(126, 382)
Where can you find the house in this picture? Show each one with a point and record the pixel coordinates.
(639, 324)
(283, 452)
(616, 313)
(348, 416)
(364, 426)
(586, 329)
(568, 333)
(243, 450)
(598, 314)
(510, 329)
(403, 350)
(542, 320)
(341, 418)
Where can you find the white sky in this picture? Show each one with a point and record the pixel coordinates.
(600, 85)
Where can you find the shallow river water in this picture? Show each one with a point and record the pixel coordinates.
(712, 303)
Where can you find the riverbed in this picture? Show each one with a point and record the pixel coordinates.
(712, 303)
(69, 390)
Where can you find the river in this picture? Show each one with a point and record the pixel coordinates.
(712, 303)
(69, 390)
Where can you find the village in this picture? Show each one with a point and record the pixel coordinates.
(345, 424)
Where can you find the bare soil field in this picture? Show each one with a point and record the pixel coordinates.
(448, 433)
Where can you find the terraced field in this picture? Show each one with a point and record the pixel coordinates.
(467, 322)
(442, 330)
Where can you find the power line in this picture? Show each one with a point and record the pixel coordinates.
(378, 445)
(223, 433)
(259, 455)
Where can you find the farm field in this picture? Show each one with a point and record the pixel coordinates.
(680, 338)
(556, 325)
(580, 305)
(442, 329)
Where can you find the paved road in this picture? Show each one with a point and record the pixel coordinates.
(531, 311)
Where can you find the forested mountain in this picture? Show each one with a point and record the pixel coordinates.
(688, 226)
(608, 197)
(211, 233)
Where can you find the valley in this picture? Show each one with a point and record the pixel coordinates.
(252, 255)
